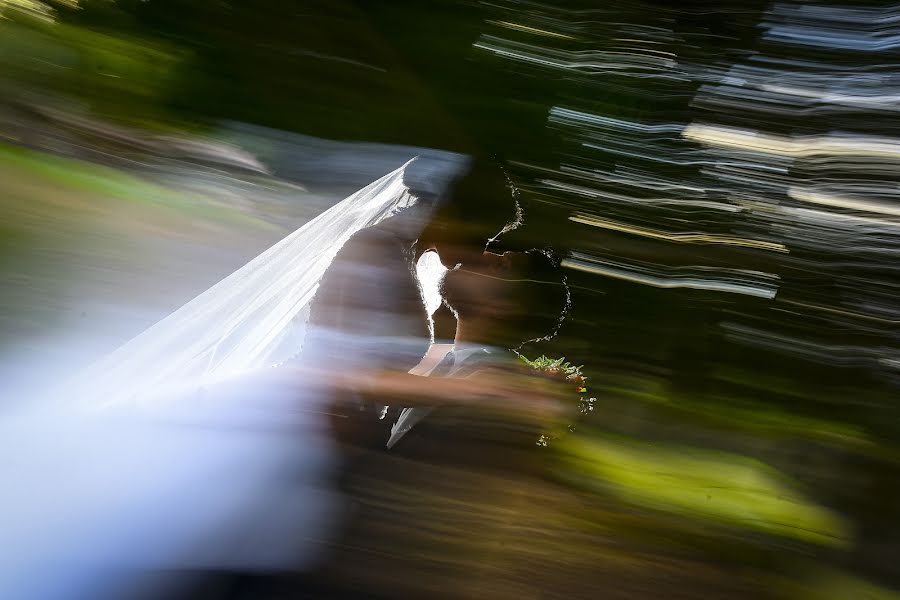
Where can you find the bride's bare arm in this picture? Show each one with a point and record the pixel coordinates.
(509, 391)
(406, 389)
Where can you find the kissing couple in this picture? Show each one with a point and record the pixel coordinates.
(217, 439)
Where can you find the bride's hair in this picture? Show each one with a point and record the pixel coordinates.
(475, 207)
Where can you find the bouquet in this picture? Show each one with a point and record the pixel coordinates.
(560, 370)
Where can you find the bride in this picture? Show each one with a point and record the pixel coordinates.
(204, 442)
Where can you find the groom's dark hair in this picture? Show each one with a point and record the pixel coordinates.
(541, 294)
(538, 288)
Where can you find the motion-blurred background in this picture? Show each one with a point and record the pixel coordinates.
(720, 180)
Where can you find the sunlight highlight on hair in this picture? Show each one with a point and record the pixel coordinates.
(518, 218)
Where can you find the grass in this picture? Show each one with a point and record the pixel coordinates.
(74, 231)
(106, 183)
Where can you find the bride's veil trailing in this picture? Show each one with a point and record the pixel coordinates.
(253, 318)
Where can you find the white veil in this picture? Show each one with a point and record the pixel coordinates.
(253, 318)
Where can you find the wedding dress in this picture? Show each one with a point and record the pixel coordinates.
(166, 455)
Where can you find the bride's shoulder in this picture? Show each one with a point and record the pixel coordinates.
(365, 247)
(375, 233)
(370, 239)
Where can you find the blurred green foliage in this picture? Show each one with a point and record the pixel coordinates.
(700, 484)
(122, 76)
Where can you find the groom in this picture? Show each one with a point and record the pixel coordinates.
(501, 301)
